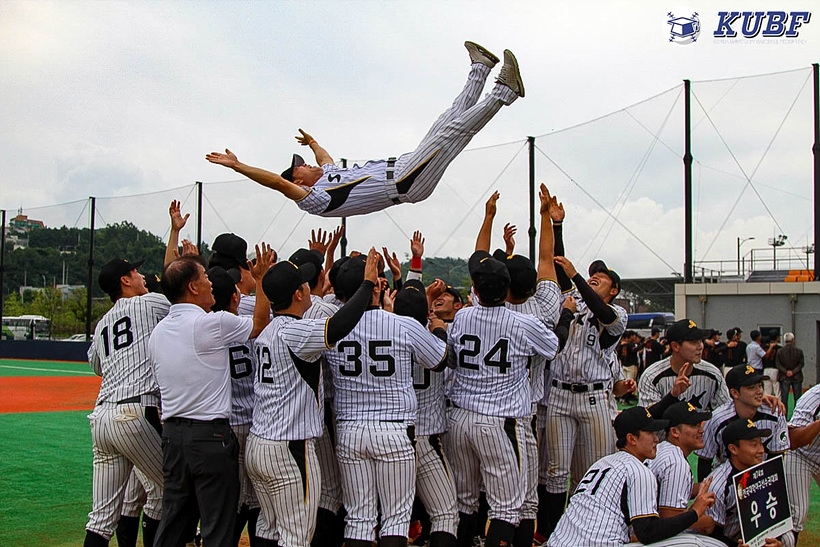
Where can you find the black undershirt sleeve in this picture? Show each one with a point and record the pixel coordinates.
(658, 408)
(562, 328)
(343, 321)
(653, 529)
(704, 468)
(600, 309)
(558, 236)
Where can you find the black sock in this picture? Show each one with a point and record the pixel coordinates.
(128, 528)
(543, 512)
(93, 539)
(555, 509)
(443, 539)
(524, 533)
(500, 534)
(149, 530)
(467, 529)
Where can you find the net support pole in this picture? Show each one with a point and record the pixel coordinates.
(687, 183)
(344, 223)
(816, 151)
(199, 216)
(2, 259)
(533, 197)
(89, 288)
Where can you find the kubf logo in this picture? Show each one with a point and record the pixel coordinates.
(768, 24)
(684, 26)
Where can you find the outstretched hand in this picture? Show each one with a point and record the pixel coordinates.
(304, 139)
(557, 212)
(509, 238)
(392, 262)
(319, 240)
(177, 220)
(417, 244)
(264, 260)
(545, 198)
(228, 159)
(371, 266)
(567, 265)
(490, 208)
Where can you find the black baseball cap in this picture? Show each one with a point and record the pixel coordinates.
(311, 256)
(110, 274)
(635, 419)
(411, 301)
(743, 375)
(742, 429)
(282, 280)
(523, 276)
(600, 266)
(491, 278)
(230, 251)
(714, 332)
(350, 276)
(685, 413)
(685, 329)
(456, 294)
(223, 285)
(295, 161)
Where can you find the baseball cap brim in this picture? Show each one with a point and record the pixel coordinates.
(655, 425)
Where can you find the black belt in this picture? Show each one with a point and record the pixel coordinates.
(134, 399)
(190, 421)
(578, 388)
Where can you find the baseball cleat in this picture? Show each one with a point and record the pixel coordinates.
(510, 76)
(480, 55)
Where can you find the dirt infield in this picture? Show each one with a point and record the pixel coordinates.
(48, 393)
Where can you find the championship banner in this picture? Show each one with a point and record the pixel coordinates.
(762, 502)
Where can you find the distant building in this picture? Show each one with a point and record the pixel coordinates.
(21, 223)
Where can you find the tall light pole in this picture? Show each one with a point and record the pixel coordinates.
(739, 243)
(775, 242)
(809, 250)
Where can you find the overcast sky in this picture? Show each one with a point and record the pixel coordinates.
(112, 99)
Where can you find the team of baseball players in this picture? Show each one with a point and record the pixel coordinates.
(324, 404)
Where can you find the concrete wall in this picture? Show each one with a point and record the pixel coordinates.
(794, 307)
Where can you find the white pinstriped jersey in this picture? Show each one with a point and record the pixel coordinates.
(595, 515)
(289, 394)
(322, 309)
(119, 348)
(674, 476)
(583, 360)
(707, 390)
(545, 304)
(431, 414)
(764, 418)
(372, 367)
(331, 299)
(341, 192)
(724, 511)
(242, 363)
(806, 411)
(491, 349)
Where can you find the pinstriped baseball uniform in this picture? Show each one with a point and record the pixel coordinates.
(434, 478)
(364, 189)
(803, 464)
(764, 418)
(545, 304)
(121, 432)
(491, 348)
(331, 496)
(724, 511)
(375, 408)
(281, 457)
(674, 476)
(579, 427)
(707, 392)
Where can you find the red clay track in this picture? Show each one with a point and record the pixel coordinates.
(48, 393)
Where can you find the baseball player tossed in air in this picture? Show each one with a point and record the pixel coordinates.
(578, 416)
(802, 462)
(533, 292)
(375, 409)
(281, 455)
(684, 434)
(745, 448)
(331, 191)
(491, 347)
(746, 388)
(619, 492)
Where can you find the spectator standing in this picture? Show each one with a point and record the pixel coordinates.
(789, 362)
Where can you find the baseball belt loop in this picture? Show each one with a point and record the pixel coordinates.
(390, 175)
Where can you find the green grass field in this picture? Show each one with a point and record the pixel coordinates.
(45, 473)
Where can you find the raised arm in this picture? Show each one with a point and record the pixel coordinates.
(322, 157)
(261, 309)
(177, 224)
(482, 243)
(261, 176)
(546, 241)
(416, 252)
